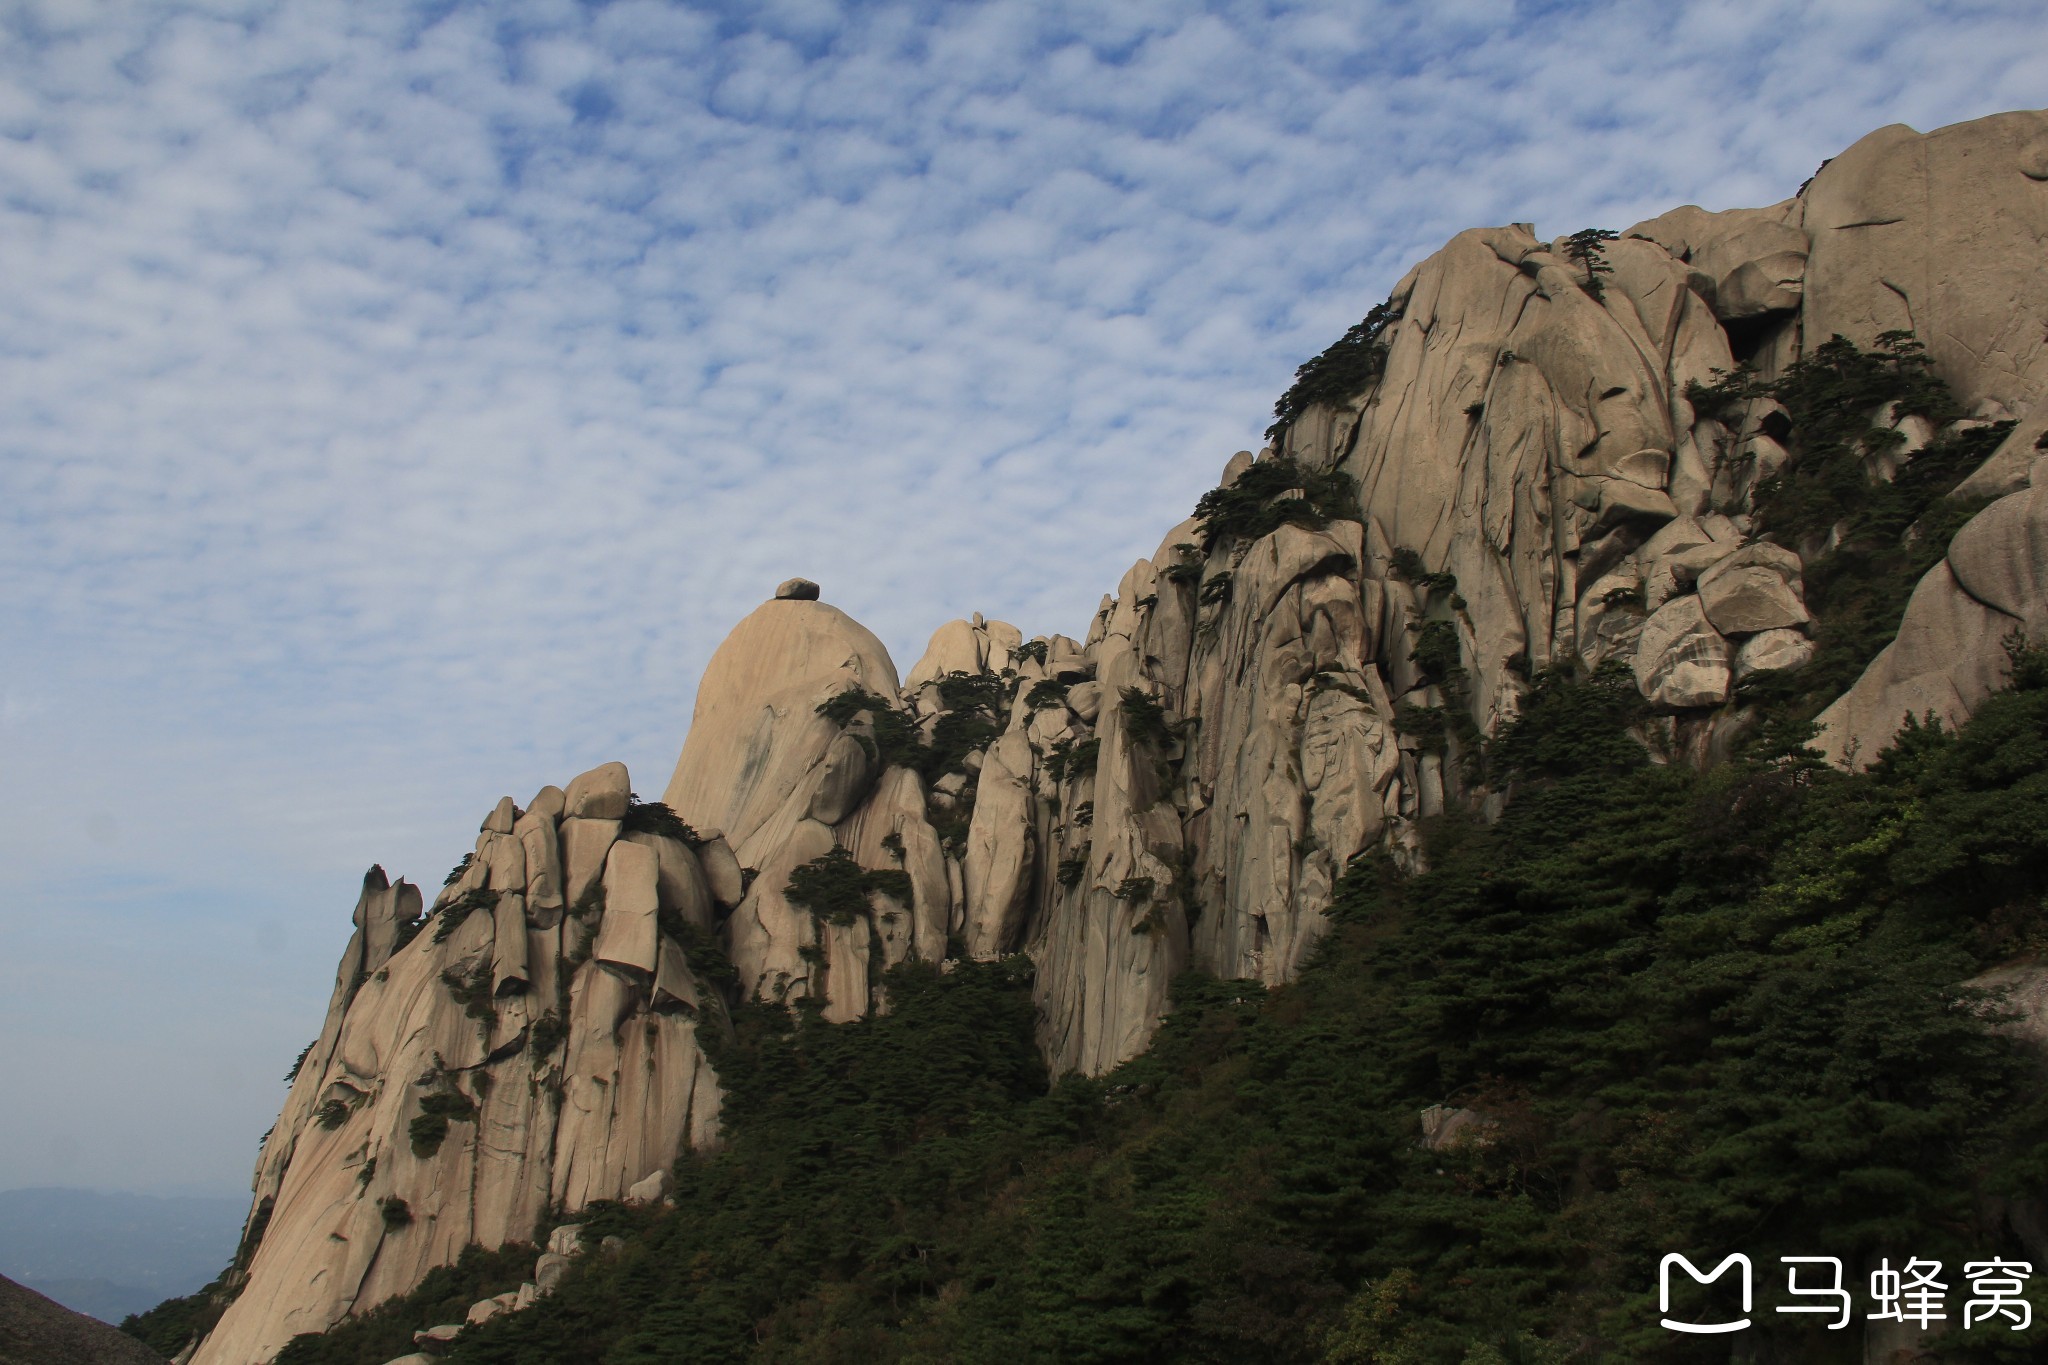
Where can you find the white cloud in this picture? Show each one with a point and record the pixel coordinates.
(402, 403)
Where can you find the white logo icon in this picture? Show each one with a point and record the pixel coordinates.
(1664, 1291)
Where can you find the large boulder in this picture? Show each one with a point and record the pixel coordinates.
(1681, 660)
(1939, 234)
(756, 738)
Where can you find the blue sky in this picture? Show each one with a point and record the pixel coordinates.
(400, 402)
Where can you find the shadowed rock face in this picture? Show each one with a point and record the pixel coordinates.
(1184, 785)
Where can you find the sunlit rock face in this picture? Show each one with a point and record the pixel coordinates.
(1181, 784)
(560, 1053)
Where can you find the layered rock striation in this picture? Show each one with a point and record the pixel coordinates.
(1511, 465)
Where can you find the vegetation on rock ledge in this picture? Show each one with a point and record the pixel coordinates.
(1695, 1010)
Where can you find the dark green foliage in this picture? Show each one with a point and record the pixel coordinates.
(172, 1324)
(1427, 724)
(1081, 759)
(956, 735)
(1587, 247)
(708, 962)
(1570, 725)
(1703, 1012)
(652, 817)
(472, 991)
(1722, 401)
(1215, 590)
(1474, 411)
(409, 929)
(332, 1114)
(1406, 565)
(455, 873)
(1275, 493)
(967, 691)
(1187, 566)
(892, 844)
(457, 911)
(1084, 814)
(1031, 649)
(397, 1213)
(1348, 368)
(1073, 867)
(1438, 652)
(1138, 889)
(385, 1332)
(855, 1154)
(547, 1034)
(844, 708)
(1144, 718)
(299, 1061)
(1890, 534)
(970, 723)
(1046, 693)
(437, 1110)
(1832, 397)
(835, 887)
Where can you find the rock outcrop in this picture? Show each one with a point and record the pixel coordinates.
(482, 1065)
(1520, 479)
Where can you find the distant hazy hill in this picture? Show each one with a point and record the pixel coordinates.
(109, 1255)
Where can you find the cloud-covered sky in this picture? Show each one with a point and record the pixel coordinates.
(399, 402)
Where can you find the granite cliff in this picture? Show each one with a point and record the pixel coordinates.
(1535, 454)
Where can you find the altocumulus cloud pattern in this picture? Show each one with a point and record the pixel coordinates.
(401, 401)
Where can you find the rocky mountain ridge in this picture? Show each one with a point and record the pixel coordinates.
(1531, 456)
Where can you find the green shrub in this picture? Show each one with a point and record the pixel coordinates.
(1347, 368)
(547, 1034)
(1145, 719)
(1438, 651)
(1046, 693)
(439, 1108)
(397, 1213)
(1072, 760)
(455, 873)
(472, 991)
(836, 888)
(300, 1061)
(653, 817)
(173, 1324)
(1701, 1010)
(1274, 493)
(444, 1295)
(1073, 867)
(1587, 247)
(457, 912)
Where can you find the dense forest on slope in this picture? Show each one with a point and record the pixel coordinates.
(1673, 1010)
(1694, 1012)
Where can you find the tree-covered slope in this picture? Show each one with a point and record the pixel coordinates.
(1688, 1012)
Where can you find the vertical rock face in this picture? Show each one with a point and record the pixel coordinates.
(1277, 690)
(479, 1067)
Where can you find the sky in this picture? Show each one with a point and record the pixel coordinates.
(398, 403)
